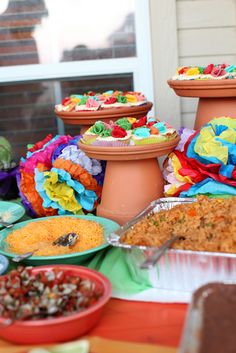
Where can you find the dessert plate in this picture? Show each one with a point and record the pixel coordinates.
(10, 212)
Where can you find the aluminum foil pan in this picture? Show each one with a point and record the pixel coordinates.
(179, 270)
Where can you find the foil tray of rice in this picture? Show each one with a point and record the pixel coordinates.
(205, 253)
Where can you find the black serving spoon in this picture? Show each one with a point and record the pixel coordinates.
(64, 240)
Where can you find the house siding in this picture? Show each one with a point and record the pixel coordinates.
(206, 33)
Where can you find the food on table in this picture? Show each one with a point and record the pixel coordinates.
(80, 346)
(93, 101)
(128, 132)
(41, 234)
(47, 294)
(209, 72)
(206, 225)
(212, 320)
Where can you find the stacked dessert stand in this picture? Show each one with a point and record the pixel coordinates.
(216, 97)
(132, 178)
(87, 118)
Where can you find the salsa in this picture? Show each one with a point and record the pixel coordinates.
(25, 295)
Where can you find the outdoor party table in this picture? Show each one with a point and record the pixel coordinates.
(154, 324)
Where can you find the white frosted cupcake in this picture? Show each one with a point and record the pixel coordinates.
(156, 133)
(111, 141)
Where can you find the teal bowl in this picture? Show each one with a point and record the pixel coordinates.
(76, 258)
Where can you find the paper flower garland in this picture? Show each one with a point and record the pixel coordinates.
(204, 162)
(56, 177)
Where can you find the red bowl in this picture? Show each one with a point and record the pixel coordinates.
(63, 328)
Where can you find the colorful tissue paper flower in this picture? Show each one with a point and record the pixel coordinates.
(8, 184)
(59, 191)
(56, 177)
(204, 162)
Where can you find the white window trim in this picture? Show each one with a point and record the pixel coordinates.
(165, 59)
(140, 66)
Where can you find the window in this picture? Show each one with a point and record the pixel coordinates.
(49, 49)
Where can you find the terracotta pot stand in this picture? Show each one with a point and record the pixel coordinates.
(88, 118)
(132, 180)
(216, 97)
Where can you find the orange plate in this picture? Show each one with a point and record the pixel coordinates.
(90, 117)
(129, 152)
(204, 88)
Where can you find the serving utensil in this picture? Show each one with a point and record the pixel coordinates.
(155, 257)
(68, 239)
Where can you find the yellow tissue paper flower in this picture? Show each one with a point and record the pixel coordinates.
(176, 166)
(61, 193)
(207, 146)
(170, 191)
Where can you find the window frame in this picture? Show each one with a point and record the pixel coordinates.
(140, 66)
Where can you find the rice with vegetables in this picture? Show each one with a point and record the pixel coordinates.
(41, 234)
(206, 225)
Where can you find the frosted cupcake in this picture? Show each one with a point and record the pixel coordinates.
(92, 101)
(94, 131)
(128, 132)
(153, 132)
(112, 134)
(115, 140)
(209, 72)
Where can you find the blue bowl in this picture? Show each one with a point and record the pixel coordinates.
(4, 263)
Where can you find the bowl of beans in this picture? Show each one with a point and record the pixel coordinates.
(52, 303)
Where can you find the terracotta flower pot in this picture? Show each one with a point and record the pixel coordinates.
(88, 118)
(132, 179)
(216, 97)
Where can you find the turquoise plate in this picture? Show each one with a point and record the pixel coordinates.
(11, 211)
(74, 258)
